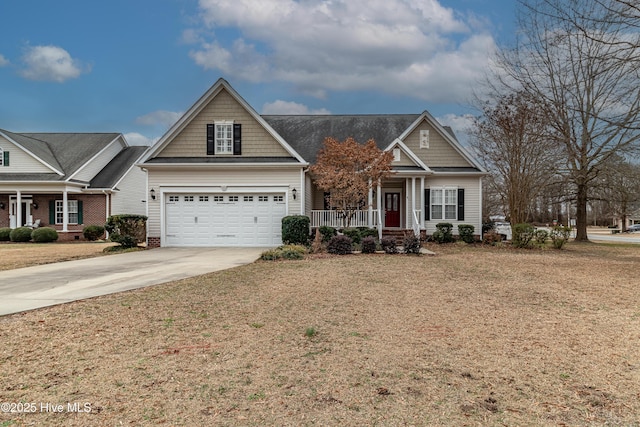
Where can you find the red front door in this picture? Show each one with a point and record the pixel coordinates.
(392, 210)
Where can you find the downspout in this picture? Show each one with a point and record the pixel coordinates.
(107, 210)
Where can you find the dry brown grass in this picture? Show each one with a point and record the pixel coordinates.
(18, 255)
(473, 336)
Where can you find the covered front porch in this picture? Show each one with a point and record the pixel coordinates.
(393, 205)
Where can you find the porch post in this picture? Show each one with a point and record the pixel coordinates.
(19, 209)
(422, 210)
(65, 211)
(370, 205)
(413, 199)
(380, 213)
(406, 204)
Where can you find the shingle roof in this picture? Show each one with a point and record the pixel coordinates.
(67, 152)
(121, 163)
(71, 150)
(306, 134)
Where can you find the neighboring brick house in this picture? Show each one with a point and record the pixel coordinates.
(68, 180)
(224, 175)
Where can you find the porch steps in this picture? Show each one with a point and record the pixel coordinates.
(397, 234)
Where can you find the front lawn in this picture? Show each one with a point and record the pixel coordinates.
(471, 336)
(18, 255)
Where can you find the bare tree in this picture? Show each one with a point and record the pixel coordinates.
(619, 187)
(570, 60)
(512, 140)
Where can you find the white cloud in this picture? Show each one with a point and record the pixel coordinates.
(134, 138)
(405, 47)
(3, 61)
(160, 117)
(461, 125)
(50, 63)
(286, 107)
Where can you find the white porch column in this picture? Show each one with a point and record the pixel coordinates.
(370, 205)
(413, 199)
(19, 209)
(380, 213)
(65, 211)
(422, 210)
(407, 216)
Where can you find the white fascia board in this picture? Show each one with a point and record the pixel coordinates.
(32, 155)
(220, 165)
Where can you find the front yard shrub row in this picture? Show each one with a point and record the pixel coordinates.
(465, 231)
(389, 245)
(443, 233)
(21, 234)
(523, 234)
(295, 230)
(327, 233)
(411, 244)
(369, 245)
(284, 252)
(340, 245)
(559, 236)
(26, 234)
(128, 230)
(44, 235)
(4, 234)
(93, 232)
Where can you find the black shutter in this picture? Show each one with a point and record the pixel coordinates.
(5, 158)
(460, 204)
(211, 140)
(237, 139)
(80, 215)
(52, 212)
(427, 204)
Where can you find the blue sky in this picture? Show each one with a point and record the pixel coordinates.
(133, 66)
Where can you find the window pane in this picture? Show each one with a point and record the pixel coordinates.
(436, 211)
(450, 212)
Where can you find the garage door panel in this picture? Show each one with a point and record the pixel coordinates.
(224, 220)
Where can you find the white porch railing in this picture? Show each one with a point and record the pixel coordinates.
(332, 218)
(415, 224)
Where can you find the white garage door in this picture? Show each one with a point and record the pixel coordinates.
(224, 219)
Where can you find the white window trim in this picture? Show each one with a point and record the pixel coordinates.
(443, 204)
(227, 147)
(72, 208)
(1, 157)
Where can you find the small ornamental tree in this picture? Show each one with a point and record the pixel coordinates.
(347, 170)
(127, 230)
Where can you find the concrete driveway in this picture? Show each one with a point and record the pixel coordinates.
(44, 285)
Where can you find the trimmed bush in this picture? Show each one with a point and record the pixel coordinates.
(523, 235)
(44, 235)
(465, 231)
(560, 235)
(4, 234)
(411, 244)
(366, 232)
(284, 252)
(491, 238)
(295, 230)
(369, 245)
(443, 234)
(127, 230)
(353, 234)
(541, 237)
(340, 245)
(327, 233)
(389, 245)
(20, 234)
(93, 232)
